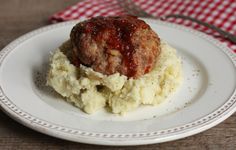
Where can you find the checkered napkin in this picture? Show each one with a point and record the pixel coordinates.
(221, 13)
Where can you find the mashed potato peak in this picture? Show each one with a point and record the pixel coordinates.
(91, 91)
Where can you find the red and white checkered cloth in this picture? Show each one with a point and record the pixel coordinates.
(221, 13)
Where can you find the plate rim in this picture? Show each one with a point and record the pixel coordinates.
(59, 131)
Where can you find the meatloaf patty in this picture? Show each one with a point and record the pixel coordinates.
(123, 44)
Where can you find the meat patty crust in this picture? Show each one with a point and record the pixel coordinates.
(123, 44)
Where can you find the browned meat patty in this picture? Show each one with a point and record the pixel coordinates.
(123, 44)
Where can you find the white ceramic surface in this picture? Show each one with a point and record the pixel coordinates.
(206, 97)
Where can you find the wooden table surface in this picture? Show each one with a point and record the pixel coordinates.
(18, 17)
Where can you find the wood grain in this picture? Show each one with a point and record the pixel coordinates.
(21, 16)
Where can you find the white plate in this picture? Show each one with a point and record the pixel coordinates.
(206, 97)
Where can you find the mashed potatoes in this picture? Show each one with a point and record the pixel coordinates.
(91, 91)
